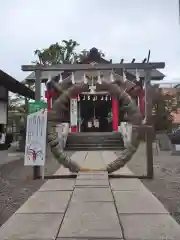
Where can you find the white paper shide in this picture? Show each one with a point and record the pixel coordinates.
(35, 150)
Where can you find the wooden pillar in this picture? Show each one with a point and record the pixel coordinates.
(149, 130)
(115, 113)
(73, 114)
(141, 102)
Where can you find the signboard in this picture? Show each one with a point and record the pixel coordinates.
(73, 110)
(36, 106)
(35, 150)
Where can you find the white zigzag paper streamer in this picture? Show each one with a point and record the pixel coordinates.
(72, 78)
(99, 78)
(60, 78)
(112, 77)
(137, 76)
(85, 79)
(124, 76)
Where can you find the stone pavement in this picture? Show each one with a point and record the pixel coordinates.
(91, 207)
(7, 157)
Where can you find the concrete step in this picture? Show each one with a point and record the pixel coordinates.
(89, 147)
(94, 144)
(94, 141)
(93, 148)
(95, 134)
(95, 138)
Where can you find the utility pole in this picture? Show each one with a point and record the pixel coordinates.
(36, 169)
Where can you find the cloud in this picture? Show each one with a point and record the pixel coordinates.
(121, 28)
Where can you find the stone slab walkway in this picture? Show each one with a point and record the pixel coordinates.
(91, 207)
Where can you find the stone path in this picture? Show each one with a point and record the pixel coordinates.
(92, 207)
(7, 157)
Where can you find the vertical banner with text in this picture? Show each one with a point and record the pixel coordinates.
(73, 111)
(35, 150)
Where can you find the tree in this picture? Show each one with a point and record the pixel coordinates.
(20, 103)
(62, 53)
(84, 54)
(58, 53)
(18, 111)
(164, 105)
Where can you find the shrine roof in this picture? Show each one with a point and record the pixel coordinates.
(155, 74)
(95, 57)
(12, 85)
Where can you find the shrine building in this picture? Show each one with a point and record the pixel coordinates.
(95, 111)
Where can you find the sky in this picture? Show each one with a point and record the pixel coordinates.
(120, 28)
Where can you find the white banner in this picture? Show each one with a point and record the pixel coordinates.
(73, 111)
(35, 150)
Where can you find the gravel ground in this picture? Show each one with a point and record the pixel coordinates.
(166, 183)
(16, 185)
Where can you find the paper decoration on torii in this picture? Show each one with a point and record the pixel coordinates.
(99, 77)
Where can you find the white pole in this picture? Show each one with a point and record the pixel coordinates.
(79, 116)
(42, 172)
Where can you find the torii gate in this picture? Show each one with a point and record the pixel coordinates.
(113, 88)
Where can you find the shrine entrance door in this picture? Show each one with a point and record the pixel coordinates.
(95, 113)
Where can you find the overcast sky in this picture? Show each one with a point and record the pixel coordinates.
(121, 28)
